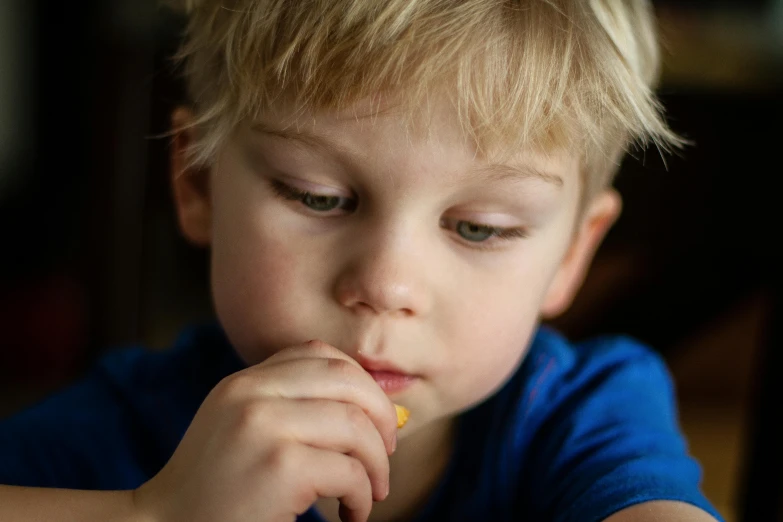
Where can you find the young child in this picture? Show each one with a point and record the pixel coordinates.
(395, 193)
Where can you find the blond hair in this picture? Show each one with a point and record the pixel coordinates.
(575, 74)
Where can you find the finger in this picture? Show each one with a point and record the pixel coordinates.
(334, 475)
(332, 379)
(336, 426)
(317, 348)
(311, 349)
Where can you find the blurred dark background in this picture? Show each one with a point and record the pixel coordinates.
(91, 258)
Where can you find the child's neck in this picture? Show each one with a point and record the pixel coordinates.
(411, 483)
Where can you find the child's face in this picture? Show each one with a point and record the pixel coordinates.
(411, 250)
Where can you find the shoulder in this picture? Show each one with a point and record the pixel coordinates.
(118, 423)
(188, 370)
(560, 378)
(612, 393)
(592, 429)
(589, 356)
(569, 389)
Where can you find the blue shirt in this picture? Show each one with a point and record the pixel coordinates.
(578, 433)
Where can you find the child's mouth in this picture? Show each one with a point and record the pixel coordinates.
(392, 382)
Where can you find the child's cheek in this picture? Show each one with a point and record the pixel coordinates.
(256, 285)
(486, 368)
(487, 338)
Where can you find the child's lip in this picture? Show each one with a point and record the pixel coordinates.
(392, 382)
(379, 365)
(389, 377)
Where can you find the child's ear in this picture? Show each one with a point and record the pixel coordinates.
(190, 187)
(599, 216)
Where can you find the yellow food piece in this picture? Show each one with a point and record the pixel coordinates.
(402, 415)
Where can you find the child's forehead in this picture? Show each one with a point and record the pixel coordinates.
(435, 125)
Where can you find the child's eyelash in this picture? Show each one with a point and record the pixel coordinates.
(288, 192)
(509, 233)
(319, 203)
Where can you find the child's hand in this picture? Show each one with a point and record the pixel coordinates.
(268, 441)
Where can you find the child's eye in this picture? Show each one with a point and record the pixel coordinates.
(321, 203)
(478, 233)
(474, 232)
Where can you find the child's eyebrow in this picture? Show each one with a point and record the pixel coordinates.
(501, 172)
(495, 172)
(298, 135)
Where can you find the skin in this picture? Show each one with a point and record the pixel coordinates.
(393, 273)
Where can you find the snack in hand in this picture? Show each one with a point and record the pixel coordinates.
(402, 415)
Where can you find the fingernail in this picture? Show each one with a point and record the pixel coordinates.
(388, 489)
(394, 442)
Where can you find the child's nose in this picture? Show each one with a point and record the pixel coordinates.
(384, 277)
